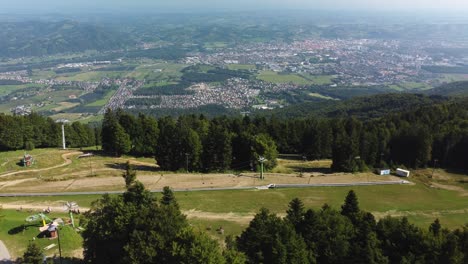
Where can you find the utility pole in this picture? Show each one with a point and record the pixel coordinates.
(433, 168)
(60, 248)
(261, 159)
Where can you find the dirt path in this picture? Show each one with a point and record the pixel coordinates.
(427, 213)
(64, 157)
(459, 189)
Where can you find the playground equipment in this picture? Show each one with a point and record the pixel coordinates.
(27, 160)
(39, 216)
(71, 207)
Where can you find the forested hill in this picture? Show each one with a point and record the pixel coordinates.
(360, 107)
(455, 89)
(38, 38)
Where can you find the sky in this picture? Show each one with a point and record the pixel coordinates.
(235, 5)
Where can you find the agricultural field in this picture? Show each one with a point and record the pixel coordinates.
(157, 71)
(274, 77)
(318, 79)
(7, 89)
(42, 101)
(92, 76)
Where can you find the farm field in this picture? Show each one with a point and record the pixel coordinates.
(274, 77)
(318, 79)
(7, 89)
(48, 100)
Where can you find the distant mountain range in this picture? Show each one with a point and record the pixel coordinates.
(40, 38)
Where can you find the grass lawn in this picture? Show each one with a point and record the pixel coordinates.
(92, 76)
(232, 210)
(9, 161)
(421, 202)
(16, 233)
(274, 77)
(417, 201)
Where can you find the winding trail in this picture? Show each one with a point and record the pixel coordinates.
(65, 157)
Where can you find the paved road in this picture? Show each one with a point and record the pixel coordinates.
(213, 189)
(4, 255)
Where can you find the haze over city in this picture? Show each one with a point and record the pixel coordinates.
(206, 5)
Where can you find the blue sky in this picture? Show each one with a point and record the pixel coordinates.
(187, 5)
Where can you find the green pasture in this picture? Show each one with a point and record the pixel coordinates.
(318, 79)
(158, 71)
(93, 76)
(44, 158)
(274, 77)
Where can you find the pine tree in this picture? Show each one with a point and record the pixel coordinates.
(351, 206)
(168, 197)
(129, 174)
(122, 143)
(33, 254)
(295, 213)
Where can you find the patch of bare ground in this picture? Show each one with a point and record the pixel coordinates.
(427, 213)
(233, 217)
(156, 181)
(459, 189)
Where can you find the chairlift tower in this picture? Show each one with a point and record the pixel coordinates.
(63, 122)
(261, 159)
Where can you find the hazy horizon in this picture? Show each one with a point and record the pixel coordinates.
(75, 6)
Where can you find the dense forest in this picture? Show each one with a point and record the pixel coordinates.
(137, 227)
(35, 131)
(412, 138)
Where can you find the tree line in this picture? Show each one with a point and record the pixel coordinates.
(428, 136)
(138, 228)
(35, 131)
(414, 139)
